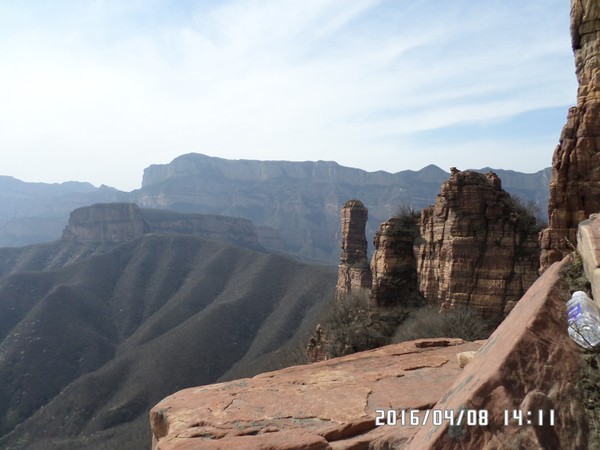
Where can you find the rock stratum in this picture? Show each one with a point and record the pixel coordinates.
(478, 247)
(324, 405)
(575, 182)
(353, 272)
(301, 200)
(529, 362)
(394, 265)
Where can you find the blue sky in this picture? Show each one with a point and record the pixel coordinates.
(97, 90)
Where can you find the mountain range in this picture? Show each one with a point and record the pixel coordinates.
(294, 205)
(125, 304)
(93, 334)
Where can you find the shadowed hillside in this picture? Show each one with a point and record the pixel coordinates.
(88, 346)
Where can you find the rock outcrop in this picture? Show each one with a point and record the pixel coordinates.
(118, 222)
(575, 183)
(588, 246)
(106, 222)
(529, 362)
(393, 265)
(478, 246)
(301, 200)
(354, 272)
(329, 404)
(209, 226)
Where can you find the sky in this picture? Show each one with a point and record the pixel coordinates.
(97, 90)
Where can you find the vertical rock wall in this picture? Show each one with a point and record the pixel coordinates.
(575, 183)
(354, 272)
(478, 247)
(394, 266)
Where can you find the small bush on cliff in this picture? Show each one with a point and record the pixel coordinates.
(408, 222)
(460, 322)
(353, 326)
(530, 212)
(573, 273)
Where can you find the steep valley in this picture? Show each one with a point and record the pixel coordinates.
(92, 335)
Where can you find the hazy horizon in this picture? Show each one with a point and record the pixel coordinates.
(98, 91)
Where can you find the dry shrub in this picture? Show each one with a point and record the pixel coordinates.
(458, 322)
(353, 326)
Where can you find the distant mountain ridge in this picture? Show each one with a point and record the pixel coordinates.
(302, 200)
(38, 212)
(294, 206)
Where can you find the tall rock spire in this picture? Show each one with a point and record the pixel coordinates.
(354, 272)
(575, 183)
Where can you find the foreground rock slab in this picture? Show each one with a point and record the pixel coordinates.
(588, 245)
(326, 405)
(529, 364)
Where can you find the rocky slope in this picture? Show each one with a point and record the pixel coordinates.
(106, 222)
(529, 362)
(92, 335)
(575, 183)
(478, 247)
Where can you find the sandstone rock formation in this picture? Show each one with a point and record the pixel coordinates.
(478, 246)
(588, 246)
(106, 222)
(330, 404)
(394, 266)
(301, 200)
(529, 362)
(575, 183)
(353, 272)
(117, 222)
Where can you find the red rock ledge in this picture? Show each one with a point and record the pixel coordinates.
(528, 363)
(326, 405)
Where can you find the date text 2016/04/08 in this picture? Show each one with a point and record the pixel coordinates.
(469, 417)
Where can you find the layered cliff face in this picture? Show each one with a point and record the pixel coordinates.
(118, 222)
(394, 266)
(575, 183)
(106, 222)
(478, 246)
(354, 272)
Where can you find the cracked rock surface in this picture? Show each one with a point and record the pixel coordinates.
(330, 404)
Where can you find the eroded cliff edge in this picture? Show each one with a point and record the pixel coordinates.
(575, 182)
(478, 245)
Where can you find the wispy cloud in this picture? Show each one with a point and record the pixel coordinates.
(105, 88)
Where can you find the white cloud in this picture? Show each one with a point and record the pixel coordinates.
(132, 83)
